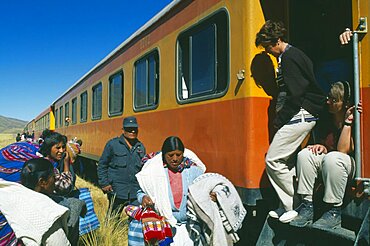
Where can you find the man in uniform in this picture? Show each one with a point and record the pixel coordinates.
(120, 161)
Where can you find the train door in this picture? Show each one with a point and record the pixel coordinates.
(314, 26)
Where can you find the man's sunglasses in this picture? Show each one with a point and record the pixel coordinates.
(130, 129)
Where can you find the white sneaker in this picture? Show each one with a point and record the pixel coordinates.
(288, 216)
(276, 213)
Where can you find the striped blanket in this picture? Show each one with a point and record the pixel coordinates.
(90, 222)
(13, 157)
(7, 236)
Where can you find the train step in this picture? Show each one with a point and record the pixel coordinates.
(277, 233)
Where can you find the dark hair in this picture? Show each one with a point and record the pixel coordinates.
(170, 144)
(79, 141)
(51, 139)
(35, 169)
(270, 33)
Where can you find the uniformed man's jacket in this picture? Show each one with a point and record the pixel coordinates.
(118, 166)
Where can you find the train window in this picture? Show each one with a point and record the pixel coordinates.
(116, 94)
(61, 116)
(146, 90)
(74, 110)
(66, 119)
(83, 108)
(56, 118)
(47, 121)
(97, 101)
(202, 60)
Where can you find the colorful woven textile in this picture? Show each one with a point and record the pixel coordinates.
(7, 236)
(90, 222)
(135, 234)
(155, 228)
(13, 157)
(134, 212)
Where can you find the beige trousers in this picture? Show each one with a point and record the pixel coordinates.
(280, 170)
(334, 167)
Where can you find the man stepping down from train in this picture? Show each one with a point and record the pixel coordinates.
(299, 101)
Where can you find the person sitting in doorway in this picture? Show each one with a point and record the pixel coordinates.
(330, 160)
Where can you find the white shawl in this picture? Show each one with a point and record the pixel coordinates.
(153, 181)
(30, 214)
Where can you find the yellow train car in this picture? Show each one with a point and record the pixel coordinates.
(208, 116)
(45, 120)
(193, 71)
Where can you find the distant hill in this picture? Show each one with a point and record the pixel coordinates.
(10, 125)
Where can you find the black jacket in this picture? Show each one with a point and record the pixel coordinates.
(118, 165)
(303, 90)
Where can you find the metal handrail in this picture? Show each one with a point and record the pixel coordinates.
(361, 29)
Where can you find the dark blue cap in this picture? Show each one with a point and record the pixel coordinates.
(130, 122)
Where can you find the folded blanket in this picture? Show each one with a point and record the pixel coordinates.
(222, 218)
(30, 214)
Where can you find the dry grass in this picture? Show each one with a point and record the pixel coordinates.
(6, 139)
(112, 231)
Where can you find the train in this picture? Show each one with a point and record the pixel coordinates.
(193, 71)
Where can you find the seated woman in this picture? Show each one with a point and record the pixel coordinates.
(53, 149)
(331, 159)
(38, 175)
(164, 181)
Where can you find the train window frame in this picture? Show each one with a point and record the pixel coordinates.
(56, 118)
(110, 80)
(74, 111)
(61, 116)
(97, 116)
(219, 23)
(151, 82)
(47, 121)
(83, 107)
(66, 114)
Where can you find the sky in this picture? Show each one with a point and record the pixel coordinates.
(47, 45)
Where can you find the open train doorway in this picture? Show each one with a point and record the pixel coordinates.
(314, 27)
